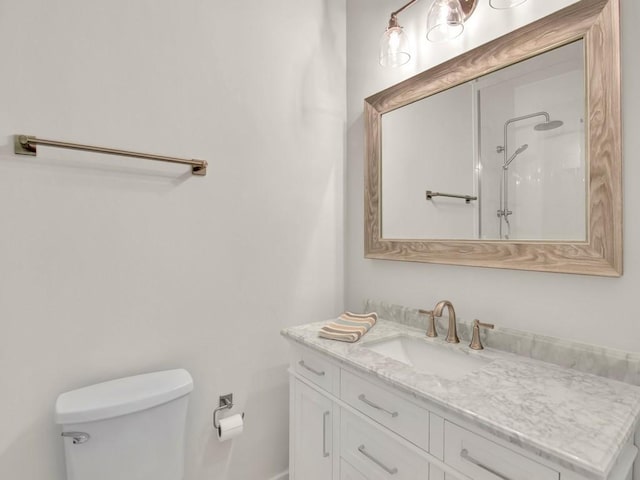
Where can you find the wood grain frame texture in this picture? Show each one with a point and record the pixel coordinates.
(597, 22)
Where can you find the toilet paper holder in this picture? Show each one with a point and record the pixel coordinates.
(226, 403)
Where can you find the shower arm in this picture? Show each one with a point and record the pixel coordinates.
(517, 119)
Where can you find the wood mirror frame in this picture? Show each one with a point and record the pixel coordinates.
(597, 23)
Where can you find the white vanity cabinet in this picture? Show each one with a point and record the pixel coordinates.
(348, 425)
(313, 417)
(350, 438)
(312, 428)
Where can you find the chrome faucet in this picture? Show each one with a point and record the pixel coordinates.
(452, 334)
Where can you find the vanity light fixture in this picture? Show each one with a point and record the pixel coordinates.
(445, 21)
(394, 49)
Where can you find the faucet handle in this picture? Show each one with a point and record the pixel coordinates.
(431, 326)
(476, 343)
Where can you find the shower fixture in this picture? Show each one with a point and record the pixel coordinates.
(515, 154)
(548, 124)
(504, 211)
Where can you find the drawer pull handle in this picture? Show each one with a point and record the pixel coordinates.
(312, 370)
(390, 471)
(464, 454)
(362, 398)
(325, 452)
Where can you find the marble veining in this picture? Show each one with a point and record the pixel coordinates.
(574, 419)
(605, 362)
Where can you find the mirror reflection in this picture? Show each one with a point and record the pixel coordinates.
(501, 157)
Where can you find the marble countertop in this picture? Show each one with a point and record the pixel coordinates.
(577, 420)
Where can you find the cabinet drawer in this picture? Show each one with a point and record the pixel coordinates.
(315, 368)
(482, 459)
(347, 472)
(403, 417)
(376, 455)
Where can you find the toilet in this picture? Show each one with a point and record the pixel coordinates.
(126, 429)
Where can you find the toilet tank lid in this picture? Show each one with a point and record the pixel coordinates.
(122, 396)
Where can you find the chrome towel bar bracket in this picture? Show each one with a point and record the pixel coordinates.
(27, 145)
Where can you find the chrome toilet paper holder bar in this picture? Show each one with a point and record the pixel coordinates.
(226, 403)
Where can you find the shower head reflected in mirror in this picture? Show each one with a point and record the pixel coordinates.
(548, 125)
(515, 154)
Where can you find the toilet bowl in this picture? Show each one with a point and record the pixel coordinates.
(126, 429)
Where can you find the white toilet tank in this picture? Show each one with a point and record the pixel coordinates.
(126, 429)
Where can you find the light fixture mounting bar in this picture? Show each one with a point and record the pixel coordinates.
(404, 7)
(393, 20)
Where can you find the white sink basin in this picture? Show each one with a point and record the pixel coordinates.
(427, 357)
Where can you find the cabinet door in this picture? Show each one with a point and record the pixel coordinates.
(312, 434)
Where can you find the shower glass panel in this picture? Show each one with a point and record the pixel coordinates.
(532, 149)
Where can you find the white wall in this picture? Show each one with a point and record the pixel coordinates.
(112, 267)
(413, 147)
(602, 311)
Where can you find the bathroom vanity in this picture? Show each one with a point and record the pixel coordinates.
(398, 405)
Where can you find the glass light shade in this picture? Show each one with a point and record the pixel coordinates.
(502, 4)
(445, 20)
(394, 50)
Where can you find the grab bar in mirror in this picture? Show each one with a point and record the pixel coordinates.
(467, 198)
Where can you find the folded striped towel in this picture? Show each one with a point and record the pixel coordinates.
(349, 327)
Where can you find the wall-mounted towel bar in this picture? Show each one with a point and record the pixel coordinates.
(467, 198)
(26, 145)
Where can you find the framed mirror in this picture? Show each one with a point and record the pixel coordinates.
(508, 156)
